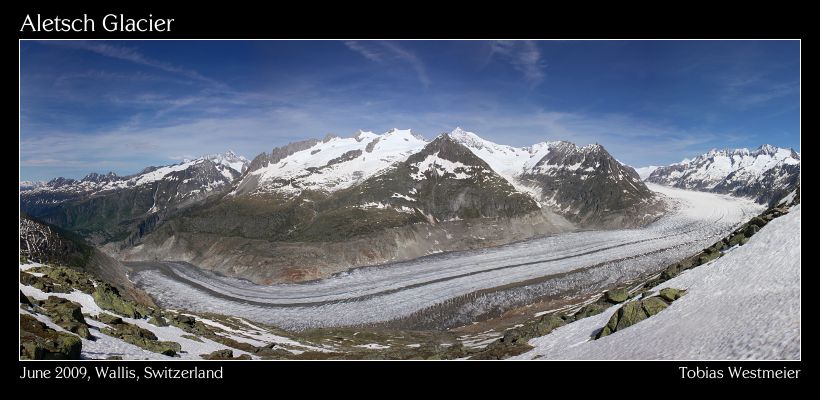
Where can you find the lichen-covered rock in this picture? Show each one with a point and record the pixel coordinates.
(751, 230)
(511, 336)
(125, 329)
(109, 319)
(671, 294)
(224, 354)
(67, 315)
(757, 221)
(616, 296)
(108, 298)
(590, 310)
(143, 338)
(183, 322)
(630, 314)
(192, 337)
(737, 239)
(670, 272)
(653, 305)
(70, 278)
(39, 342)
(158, 321)
(24, 300)
(547, 324)
(704, 258)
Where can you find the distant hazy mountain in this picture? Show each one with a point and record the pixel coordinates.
(110, 207)
(644, 172)
(765, 175)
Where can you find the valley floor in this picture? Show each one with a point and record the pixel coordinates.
(470, 285)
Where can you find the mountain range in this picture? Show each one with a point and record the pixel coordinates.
(317, 207)
(766, 174)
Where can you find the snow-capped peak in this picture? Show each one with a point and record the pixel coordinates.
(27, 185)
(229, 159)
(335, 163)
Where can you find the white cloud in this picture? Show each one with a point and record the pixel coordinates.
(523, 55)
(133, 55)
(391, 53)
(365, 51)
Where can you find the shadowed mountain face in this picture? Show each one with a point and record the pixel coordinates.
(592, 188)
(765, 175)
(317, 207)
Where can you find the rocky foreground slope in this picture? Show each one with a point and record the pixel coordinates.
(742, 303)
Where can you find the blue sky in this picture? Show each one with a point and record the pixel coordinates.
(99, 106)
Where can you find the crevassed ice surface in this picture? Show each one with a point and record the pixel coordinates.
(383, 293)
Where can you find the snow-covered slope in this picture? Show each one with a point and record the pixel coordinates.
(744, 305)
(28, 185)
(332, 164)
(765, 174)
(510, 162)
(231, 160)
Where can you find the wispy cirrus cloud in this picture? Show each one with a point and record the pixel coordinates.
(391, 53)
(523, 55)
(745, 91)
(365, 51)
(133, 55)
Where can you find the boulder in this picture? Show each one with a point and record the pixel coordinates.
(616, 296)
(109, 319)
(192, 337)
(670, 294)
(759, 222)
(60, 309)
(751, 230)
(24, 300)
(224, 354)
(158, 321)
(653, 305)
(511, 336)
(716, 247)
(39, 342)
(737, 239)
(630, 314)
(670, 272)
(165, 348)
(108, 298)
(590, 310)
(704, 258)
(67, 315)
(143, 338)
(610, 326)
(547, 324)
